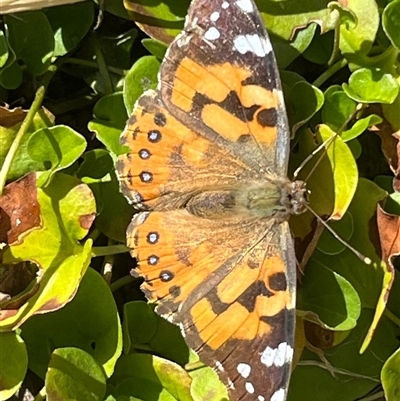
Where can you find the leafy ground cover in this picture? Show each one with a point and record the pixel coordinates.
(73, 322)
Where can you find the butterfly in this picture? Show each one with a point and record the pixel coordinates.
(207, 167)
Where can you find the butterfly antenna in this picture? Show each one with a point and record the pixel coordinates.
(363, 258)
(323, 145)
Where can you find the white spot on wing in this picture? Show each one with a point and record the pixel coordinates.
(279, 395)
(244, 370)
(183, 40)
(230, 384)
(141, 217)
(219, 366)
(261, 398)
(249, 388)
(214, 16)
(254, 43)
(225, 5)
(212, 34)
(245, 5)
(277, 356)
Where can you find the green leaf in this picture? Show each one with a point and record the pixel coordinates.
(344, 228)
(350, 376)
(155, 47)
(283, 21)
(142, 76)
(166, 19)
(391, 22)
(70, 23)
(304, 110)
(115, 213)
(3, 49)
(356, 42)
(56, 147)
(140, 324)
(13, 363)
(67, 209)
(287, 51)
(97, 329)
(338, 107)
(207, 386)
(371, 85)
(330, 296)
(96, 166)
(143, 376)
(22, 163)
(390, 377)
(11, 77)
(74, 375)
(110, 118)
(33, 46)
(333, 183)
(360, 126)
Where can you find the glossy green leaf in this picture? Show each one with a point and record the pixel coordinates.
(320, 49)
(333, 183)
(368, 85)
(330, 296)
(74, 375)
(114, 211)
(350, 375)
(150, 377)
(11, 77)
(3, 49)
(390, 376)
(13, 363)
(166, 18)
(140, 324)
(287, 51)
(304, 110)
(360, 126)
(110, 119)
(142, 76)
(367, 280)
(70, 23)
(96, 166)
(155, 47)
(344, 228)
(165, 335)
(207, 386)
(391, 22)
(22, 163)
(97, 329)
(356, 41)
(33, 46)
(282, 20)
(67, 209)
(337, 109)
(56, 147)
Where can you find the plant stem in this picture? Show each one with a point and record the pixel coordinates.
(392, 317)
(102, 65)
(41, 395)
(36, 104)
(329, 72)
(121, 282)
(92, 64)
(108, 250)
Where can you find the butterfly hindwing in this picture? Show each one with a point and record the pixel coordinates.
(232, 299)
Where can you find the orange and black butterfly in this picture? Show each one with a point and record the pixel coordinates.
(208, 168)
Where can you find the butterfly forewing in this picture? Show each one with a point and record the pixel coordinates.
(207, 160)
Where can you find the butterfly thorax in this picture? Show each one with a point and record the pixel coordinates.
(278, 199)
